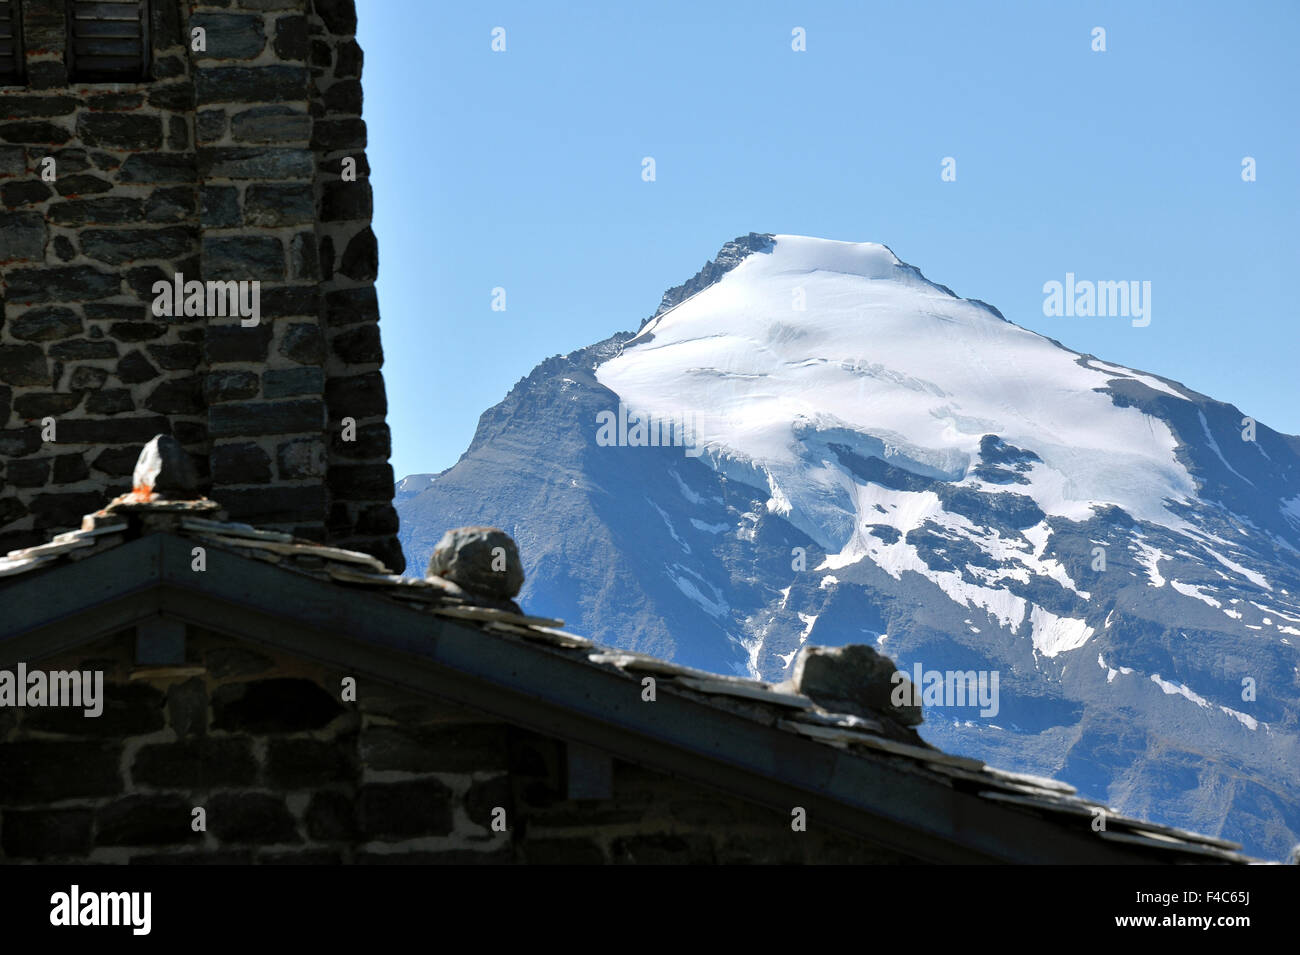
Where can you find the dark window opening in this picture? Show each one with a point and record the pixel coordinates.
(108, 41)
(11, 43)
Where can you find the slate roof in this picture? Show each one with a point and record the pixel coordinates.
(767, 742)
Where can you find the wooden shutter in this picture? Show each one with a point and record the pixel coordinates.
(108, 40)
(11, 43)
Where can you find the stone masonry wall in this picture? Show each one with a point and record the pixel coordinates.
(287, 772)
(224, 165)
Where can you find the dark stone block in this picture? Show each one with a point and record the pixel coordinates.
(145, 820)
(357, 396)
(170, 205)
(174, 97)
(330, 817)
(303, 261)
(307, 764)
(134, 131)
(361, 257)
(45, 771)
(286, 301)
(322, 55)
(339, 16)
(134, 368)
(24, 193)
(159, 168)
(24, 365)
(66, 283)
(359, 346)
(225, 385)
(303, 343)
(301, 459)
(110, 101)
(276, 204)
(211, 125)
(378, 520)
(130, 709)
(331, 134)
(250, 84)
(275, 505)
(244, 162)
(176, 357)
(71, 159)
(127, 245)
(111, 210)
(46, 324)
(119, 462)
(64, 249)
(18, 442)
(271, 124)
(13, 160)
(220, 207)
(137, 331)
(326, 258)
(37, 107)
(82, 185)
(87, 378)
(251, 817)
(241, 463)
(284, 383)
(70, 468)
(350, 59)
(79, 348)
(178, 133)
(179, 396)
(46, 75)
(199, 763)
(34, 407)
(464, 748)
(344, 98)
(187, 708)
(230, 36)
(351, 306)
(234, 343)
(243, 258)
(110, 401)
(403, 810)
(22, 236)
(34, 132)
(33, 472)
(335, 166)
(266, 417)
(42, 833)
(278, 705)
(361, 482)
(116, 312)
(104, 431)
(343, 201)
(291, 37)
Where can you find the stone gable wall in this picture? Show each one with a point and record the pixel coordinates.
(287, 772)
(225, 165)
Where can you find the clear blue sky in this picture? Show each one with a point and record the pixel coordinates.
(522, 170)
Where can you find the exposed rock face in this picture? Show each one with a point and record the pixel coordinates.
(242, 163)
(1122, 677)
(854, 679)
(482, 560)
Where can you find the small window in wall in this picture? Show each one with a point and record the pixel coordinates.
(11, 43)
(108, 41)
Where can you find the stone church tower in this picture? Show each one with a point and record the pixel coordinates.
(221, 142)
